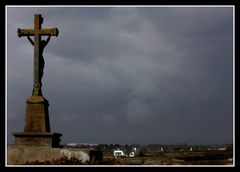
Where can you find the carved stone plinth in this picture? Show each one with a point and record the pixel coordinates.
(36, 115)
(45, 139)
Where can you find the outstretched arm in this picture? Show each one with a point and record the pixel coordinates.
(45, 42)
(48, 39)
(30, 40)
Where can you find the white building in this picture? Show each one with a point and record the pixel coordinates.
(161, 150)
(134, 152)
(118, 153)
(190, 149)
(72, 144)
(222, 149)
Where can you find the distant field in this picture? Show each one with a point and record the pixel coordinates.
(178, 158)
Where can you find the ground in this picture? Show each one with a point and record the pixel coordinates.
(175, 158)
(213, 157)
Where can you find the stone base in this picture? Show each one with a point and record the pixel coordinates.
(23, 155)
(36, 115)
(45, 139)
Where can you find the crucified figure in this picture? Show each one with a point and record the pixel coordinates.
(43, 44)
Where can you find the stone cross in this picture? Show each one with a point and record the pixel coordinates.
(39, 45)
(36, 125)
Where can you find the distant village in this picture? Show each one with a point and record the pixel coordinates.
(134, 150)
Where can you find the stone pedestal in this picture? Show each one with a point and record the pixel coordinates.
(36, 116)
(37, 126)
(45, 139)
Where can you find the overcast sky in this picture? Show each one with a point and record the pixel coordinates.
(128, 75)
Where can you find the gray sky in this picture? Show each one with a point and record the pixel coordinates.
(128, 75)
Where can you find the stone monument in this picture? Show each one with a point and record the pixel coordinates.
(37, 126)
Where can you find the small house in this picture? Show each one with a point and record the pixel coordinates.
(118, 153)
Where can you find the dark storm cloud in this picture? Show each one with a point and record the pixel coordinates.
(129, 75)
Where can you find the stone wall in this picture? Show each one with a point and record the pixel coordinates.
(17, 155)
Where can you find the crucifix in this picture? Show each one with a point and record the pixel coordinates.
(36, 124)
(39, 46)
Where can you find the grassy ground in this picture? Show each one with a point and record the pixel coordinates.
(177, 158)
(157, 158)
